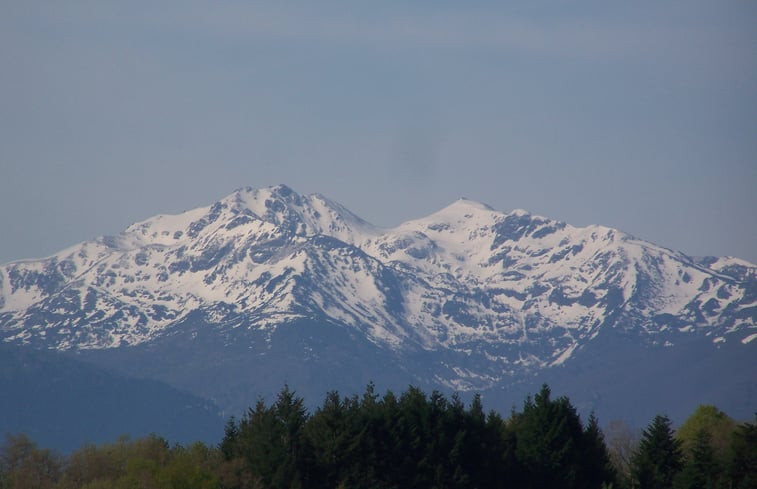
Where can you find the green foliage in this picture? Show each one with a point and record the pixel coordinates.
(715, 422)
(659, 457)
(24, 466)
(146, 462)
(701, 470)
(598, 469)
(555, 450)
(742, 461)
(413, 440)
(270, 441)
(420, 441)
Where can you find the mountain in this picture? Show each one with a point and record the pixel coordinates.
(267, 286)
(62, 403)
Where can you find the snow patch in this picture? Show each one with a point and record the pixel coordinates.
(749, 338)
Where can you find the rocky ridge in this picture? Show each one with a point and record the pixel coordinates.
(515, 291)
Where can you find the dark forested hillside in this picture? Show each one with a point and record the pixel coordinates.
(62, 403)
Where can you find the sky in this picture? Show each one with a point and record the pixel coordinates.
(640, 116)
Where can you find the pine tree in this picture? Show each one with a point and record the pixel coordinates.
(228, 445)
(549, 439)
(290, 417)
(271, 441)
(742, 464)
(701, 469)
(332, 441)
(597, 468)
(658, 458)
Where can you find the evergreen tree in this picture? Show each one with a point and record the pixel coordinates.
(412, 433)
(259, 442)
(329, 434)
(290, 417)
(742, 463)
(272, 444)
(550, 443)
(376, 439)
(597, 467)
(701, 470)
(658, 458)
(411, 441)
(502, 462)
(228, 445)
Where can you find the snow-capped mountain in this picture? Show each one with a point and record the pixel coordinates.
(485, 294)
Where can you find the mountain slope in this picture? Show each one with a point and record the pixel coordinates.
(468, 298)
(63, 403)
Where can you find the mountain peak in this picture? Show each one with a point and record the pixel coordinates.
(462, 213)
(260, 199)
(261, 254)
(481, 295)
(464, 203)
(303, 214)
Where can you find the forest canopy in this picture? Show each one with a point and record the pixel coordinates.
(411, 440)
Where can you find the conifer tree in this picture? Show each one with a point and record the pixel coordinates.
(228, 445)
(658, 458)
(272, 444)
(597, 466)
(549, 437)
(742, 464)
(701, 470)
(290, 417)
(329, 432)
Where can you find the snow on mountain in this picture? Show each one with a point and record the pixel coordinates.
(513, 289)
(517, 276)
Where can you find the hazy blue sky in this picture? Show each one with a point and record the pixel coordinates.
(635, 115)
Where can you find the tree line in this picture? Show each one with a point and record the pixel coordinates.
(413, 440)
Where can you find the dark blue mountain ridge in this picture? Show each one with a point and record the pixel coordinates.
(63, 403)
